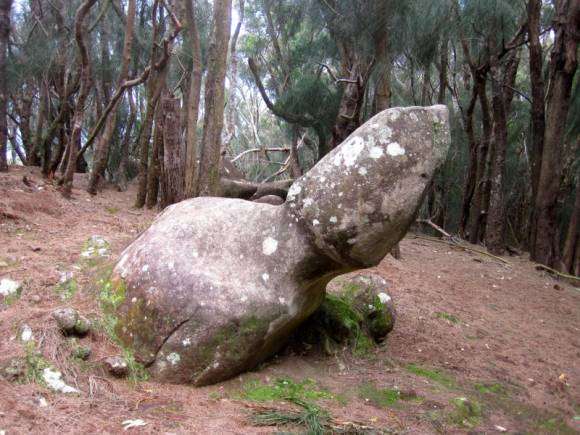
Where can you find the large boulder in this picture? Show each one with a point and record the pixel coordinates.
(217, 285)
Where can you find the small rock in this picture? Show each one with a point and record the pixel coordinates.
(26, 333)
(71, 322)
(9, 287)
(117, 366)
(66, 319)
(82, 326)
(35, 299)
(53, 379)
(13, 369)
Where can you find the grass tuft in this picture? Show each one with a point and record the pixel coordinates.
(434, 375)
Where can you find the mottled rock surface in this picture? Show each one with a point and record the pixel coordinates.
(217, 285)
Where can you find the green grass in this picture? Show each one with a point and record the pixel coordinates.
(490, 388)
(284, 389)
(67, 289)
(466, 413)
(381, 397)
(311, 417)
(446, 316)
(35, 364)
(434, 375)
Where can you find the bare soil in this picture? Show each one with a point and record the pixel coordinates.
(504, 336)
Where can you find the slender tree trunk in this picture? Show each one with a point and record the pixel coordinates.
(495, 230)
(192, 102)
(5, 6)
(209, 177)
(154, 170)
(121, 179)
(537, 89)
(563, 65)
(443, 67)
(173, 150)
(103, 145)
(78, 117)
(477, 213)
(469, 187)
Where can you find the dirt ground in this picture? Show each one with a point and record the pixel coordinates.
(505, 337)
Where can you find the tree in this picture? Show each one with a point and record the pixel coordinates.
(86, 82)
(5, 6)
(103, 145)
(545, 246)
(209, 176)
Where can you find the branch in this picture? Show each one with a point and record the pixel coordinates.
(255, 150)
(289, 117)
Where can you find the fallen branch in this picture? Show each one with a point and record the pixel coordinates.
(435, 227)
(554, 271)
(461, 246)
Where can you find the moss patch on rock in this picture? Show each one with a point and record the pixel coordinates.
(356, 316)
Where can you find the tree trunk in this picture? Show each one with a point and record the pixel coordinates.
(78, 117)
(103, 145)
(154, 170)
(173, 161)
(563, 65)
(192, 102)
(121, 179)
(572, 243)
(537, 88)
(478, 210)
(209, 184)
(5, 6)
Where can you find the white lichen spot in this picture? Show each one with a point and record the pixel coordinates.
(394, 149)
(173, 358)
(376, 153)
(244, 298)
(333, 219)
(195, 254)
(269, 246)
(387, 132)
(315, 222)
(171, 265)
(308, 202)
(282, 300)
(145, 268)
(53, 380)
(349, 151)
(362, 171)
(265, 277)
(294, 190)
(186, 342)
(384, 298)
(8, 287)
(133, 300)
(216, 365)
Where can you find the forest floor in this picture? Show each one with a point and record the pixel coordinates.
(479, 346)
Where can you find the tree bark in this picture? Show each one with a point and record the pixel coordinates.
(563, 65)
(86, 81)
(5, 6)
(173, 161)
(537, 90)
(154, 169)
(209, 184)
(572, 243)
(192, 102)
